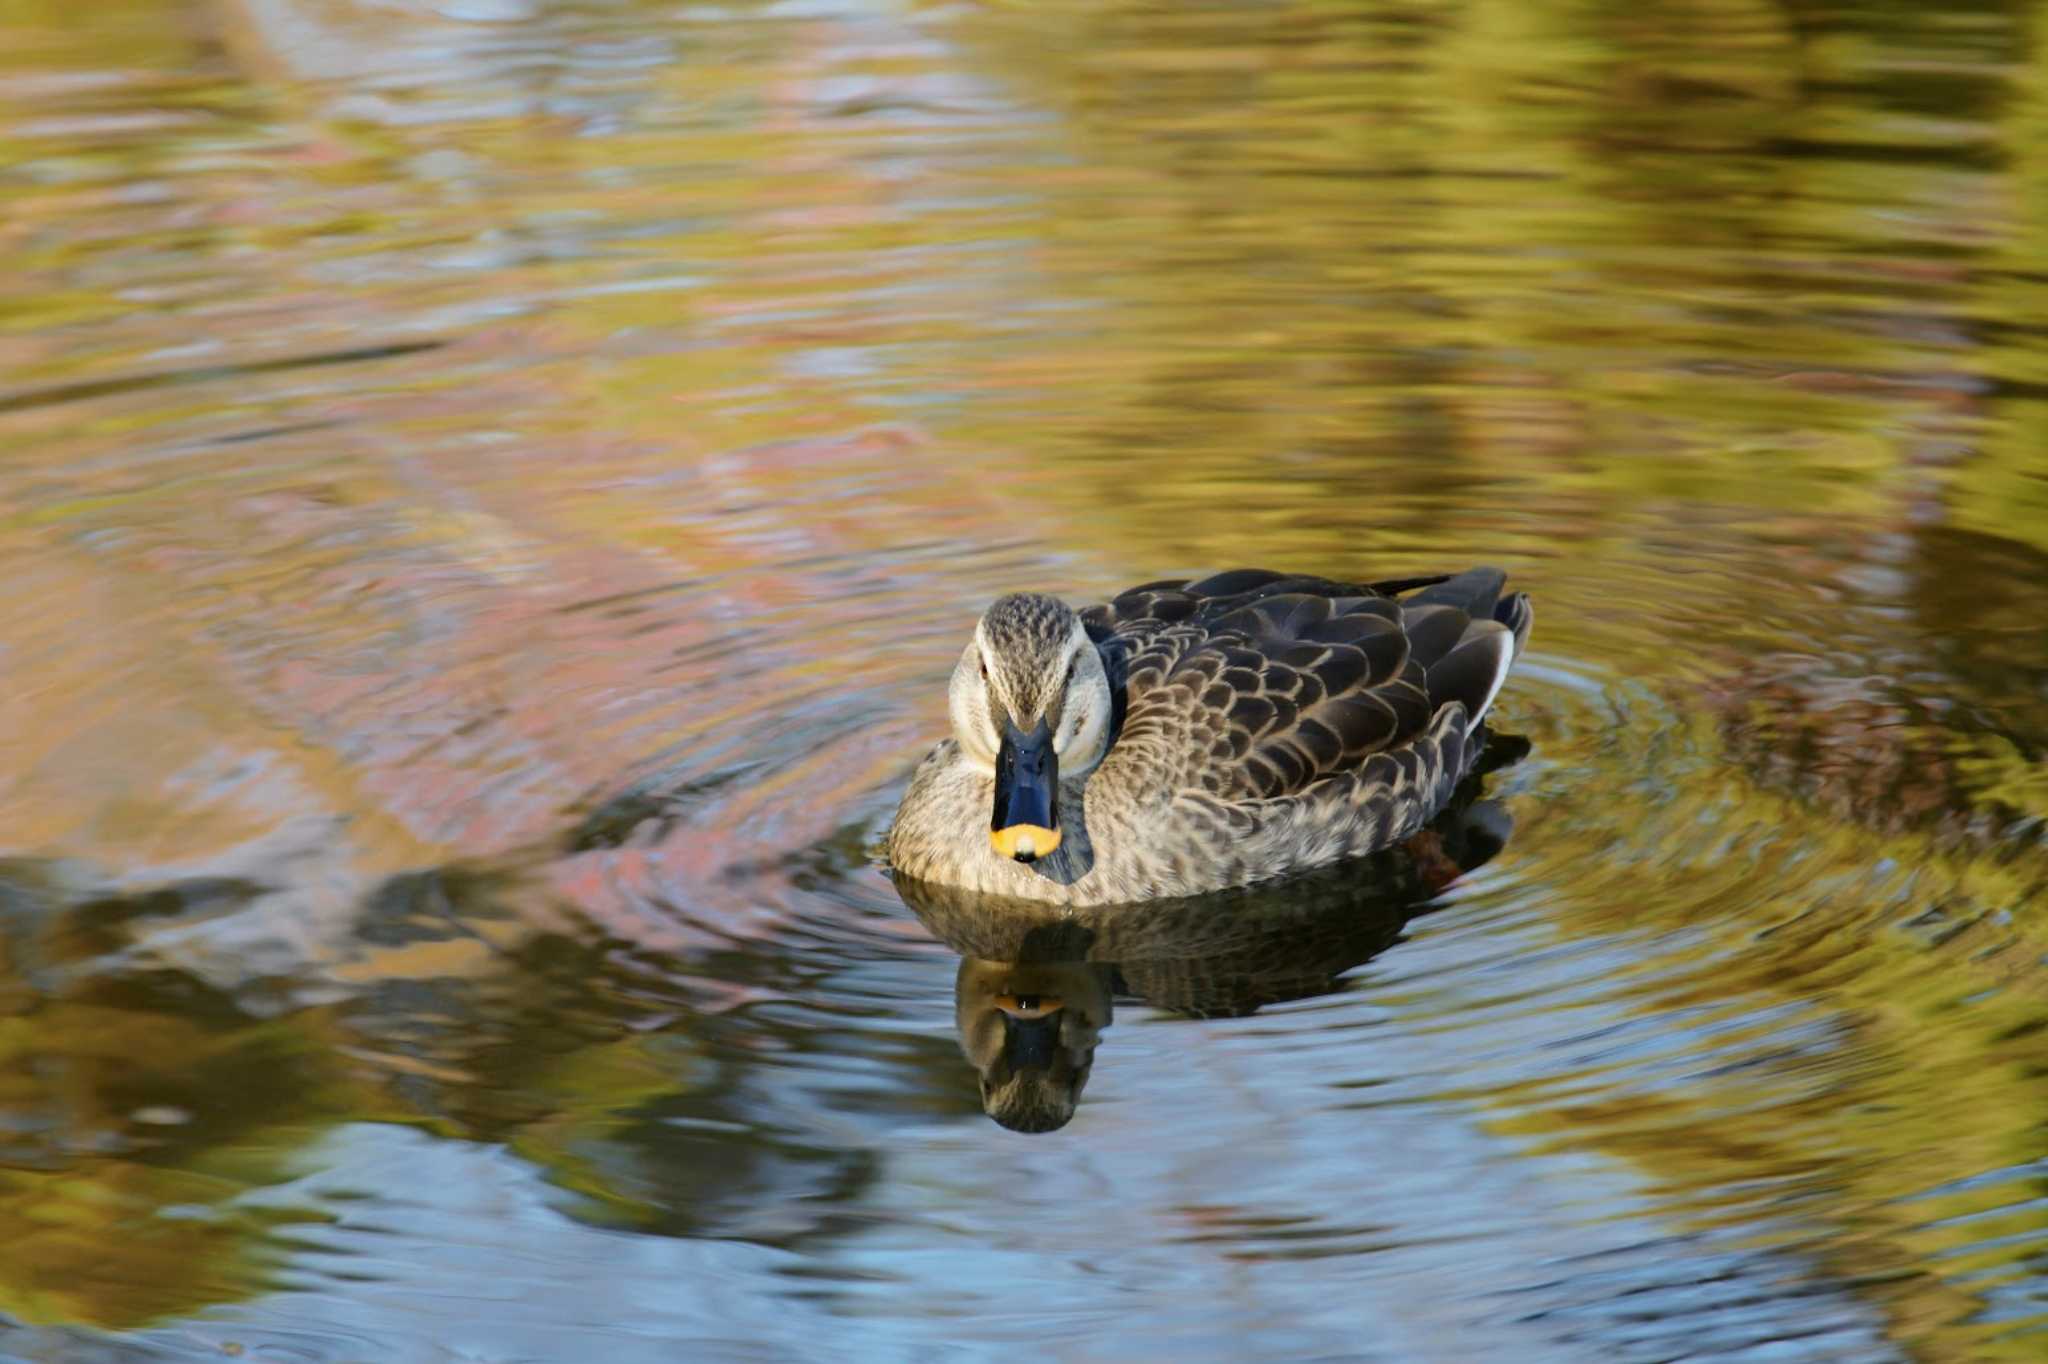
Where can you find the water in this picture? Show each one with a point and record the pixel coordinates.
(490, 492)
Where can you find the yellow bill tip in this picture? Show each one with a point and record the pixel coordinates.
(1024, 840)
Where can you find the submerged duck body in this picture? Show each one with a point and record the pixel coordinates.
(1190, 736)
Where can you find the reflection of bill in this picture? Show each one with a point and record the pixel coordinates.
(1030, 1028)
(1037, 983)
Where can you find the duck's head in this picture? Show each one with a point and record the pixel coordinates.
(1031, 1030)
(1031, 704)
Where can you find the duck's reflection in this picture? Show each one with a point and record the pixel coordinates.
(1030, 1028)
(1037, 984)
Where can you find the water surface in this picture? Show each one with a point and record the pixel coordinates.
(490, 493)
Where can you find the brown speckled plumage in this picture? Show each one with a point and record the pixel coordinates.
(1030, 629)
(1260, 723)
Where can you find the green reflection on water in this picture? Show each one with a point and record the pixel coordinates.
(1703, 318)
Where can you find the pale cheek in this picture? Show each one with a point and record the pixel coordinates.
(1080, 737)
(1069, 733)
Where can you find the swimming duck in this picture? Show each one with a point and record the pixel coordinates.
(1185, 737)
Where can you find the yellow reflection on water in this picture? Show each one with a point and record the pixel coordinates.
(418, 428)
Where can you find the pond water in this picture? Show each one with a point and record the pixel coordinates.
(491, 492)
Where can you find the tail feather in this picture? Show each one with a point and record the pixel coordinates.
(1474, 669)
(1476, 592)
(1518, 613)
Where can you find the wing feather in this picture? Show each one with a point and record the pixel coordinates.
(1253, 684)
(1433, 631)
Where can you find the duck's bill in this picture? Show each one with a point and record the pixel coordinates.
(1026, 821)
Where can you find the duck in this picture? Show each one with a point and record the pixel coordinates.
(1189, 736)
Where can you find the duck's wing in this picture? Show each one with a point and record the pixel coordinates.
(1254, 685)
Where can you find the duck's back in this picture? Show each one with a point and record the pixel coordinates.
(1273, 721)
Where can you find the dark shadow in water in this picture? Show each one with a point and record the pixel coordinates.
(460, 1000)
(26, 399)
(1037, 983)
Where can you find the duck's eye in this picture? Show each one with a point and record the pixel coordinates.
(984, 668)
(1072, 664)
